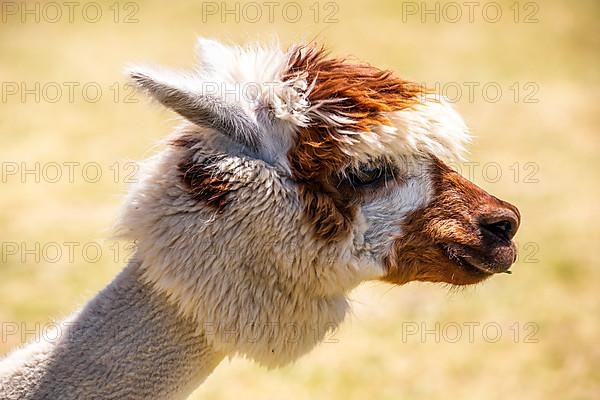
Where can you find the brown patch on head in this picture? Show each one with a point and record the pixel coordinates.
(201, 176)
(453, 239)
(359, 92)
(350, 98)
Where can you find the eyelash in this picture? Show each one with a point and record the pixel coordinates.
(367, 175)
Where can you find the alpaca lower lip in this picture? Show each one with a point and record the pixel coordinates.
(495, 265)
(472, 265)
(497, 261)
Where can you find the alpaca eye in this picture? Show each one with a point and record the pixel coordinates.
(365, 176)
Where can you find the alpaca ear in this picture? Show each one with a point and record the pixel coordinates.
(184, 95)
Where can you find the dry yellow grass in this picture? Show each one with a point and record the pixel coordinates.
(554, 285)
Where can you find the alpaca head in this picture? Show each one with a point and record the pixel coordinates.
(294, 177)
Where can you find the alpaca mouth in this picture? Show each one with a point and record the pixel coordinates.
(471, 266)
(496, 261)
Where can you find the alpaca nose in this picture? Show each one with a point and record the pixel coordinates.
(502, 222)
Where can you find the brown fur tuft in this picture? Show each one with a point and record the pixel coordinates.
(204, 181)
(359, 95)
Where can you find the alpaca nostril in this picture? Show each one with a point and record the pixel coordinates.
(501, 229)
(501, 223)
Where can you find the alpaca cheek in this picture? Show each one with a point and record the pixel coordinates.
(384, 217)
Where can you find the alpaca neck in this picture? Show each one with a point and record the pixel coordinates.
(128, 342)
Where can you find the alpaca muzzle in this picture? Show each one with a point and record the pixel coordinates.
(463, 236)
(489, 225)
(493, 251)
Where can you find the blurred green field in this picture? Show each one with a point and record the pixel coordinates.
(542, 132)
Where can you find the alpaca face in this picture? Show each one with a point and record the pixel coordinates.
(295, 177)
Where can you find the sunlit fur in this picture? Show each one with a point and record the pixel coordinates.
(258, 260)
(248, 222)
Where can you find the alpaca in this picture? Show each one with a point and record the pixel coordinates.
(294, 177)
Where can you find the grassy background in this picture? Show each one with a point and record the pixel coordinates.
(553, 287)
